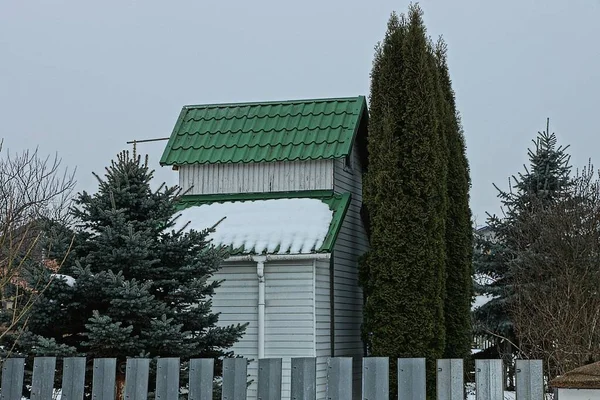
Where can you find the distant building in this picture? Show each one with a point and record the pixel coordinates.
(582, 383)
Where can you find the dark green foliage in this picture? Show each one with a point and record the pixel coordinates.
(547, 178)
(459, 237)
(141, 288)
(406, 192)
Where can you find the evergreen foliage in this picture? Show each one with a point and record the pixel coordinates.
(459, 236)
(141, 288)
(415, 143)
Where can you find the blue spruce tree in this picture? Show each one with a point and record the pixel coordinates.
(140, 288)
(547, 178)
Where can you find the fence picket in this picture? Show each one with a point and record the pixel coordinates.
(167, 379)
(269, 379)
(201, 379)
(450, 380)
(488, 379)
(530, 380)
(103, 379)
(234, 378)
(42, 383)
(12, 379)
(136, 378)
(304, 378)
(411, 378)
(339, 378)
(375, 378)
(339, 384)
(73, 379)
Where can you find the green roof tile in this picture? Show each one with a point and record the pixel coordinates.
(273, 131)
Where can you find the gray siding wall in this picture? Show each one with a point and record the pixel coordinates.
(257, 177)
(352, 242)
(289, 314)
(237, 301)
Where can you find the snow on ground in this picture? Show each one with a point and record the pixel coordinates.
(507, 396)
(471, 393)
(295, 225)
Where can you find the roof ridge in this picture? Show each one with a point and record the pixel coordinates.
(272, 102)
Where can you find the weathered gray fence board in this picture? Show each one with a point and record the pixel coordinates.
(530, 380)
(42, 383)
(73, 379)
(488, 379)
(304, 378)
(12, 379)
(375, 378)
(136, 379)
(450, 380)
(167, 379)
(375, 383)
(411, 378)
(269, 379)
(201, 379)
(103, 379)
(234, 378)
(339, 378)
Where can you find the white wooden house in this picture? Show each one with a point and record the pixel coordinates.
(287, 178)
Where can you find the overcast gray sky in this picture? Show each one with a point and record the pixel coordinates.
(81, 78)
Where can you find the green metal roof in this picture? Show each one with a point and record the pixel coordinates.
(268, 131)
(338, 203)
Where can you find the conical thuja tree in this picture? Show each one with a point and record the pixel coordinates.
(459, 233)
(131, 285)
(405, 193)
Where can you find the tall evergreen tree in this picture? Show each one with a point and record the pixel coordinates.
(547, 178)
(131, 285)
(459, 234)
(405, 193)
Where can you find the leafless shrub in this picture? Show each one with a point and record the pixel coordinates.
(557, 279)
(33, 189)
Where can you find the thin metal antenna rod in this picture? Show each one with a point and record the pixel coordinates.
(135, 142)
(147, 140)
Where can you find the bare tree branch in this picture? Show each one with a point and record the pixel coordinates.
(557, 279)
(33, 189)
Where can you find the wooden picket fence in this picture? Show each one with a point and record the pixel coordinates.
(375, 382)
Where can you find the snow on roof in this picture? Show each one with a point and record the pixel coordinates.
(293, 226)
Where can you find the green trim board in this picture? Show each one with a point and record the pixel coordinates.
(195, 199)
(337, 203)
(266, 131)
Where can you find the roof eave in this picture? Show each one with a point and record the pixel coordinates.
(278, 257)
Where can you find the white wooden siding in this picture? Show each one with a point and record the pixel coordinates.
(351, 243)
(261, 177)
(289, 314)
(237, 301)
